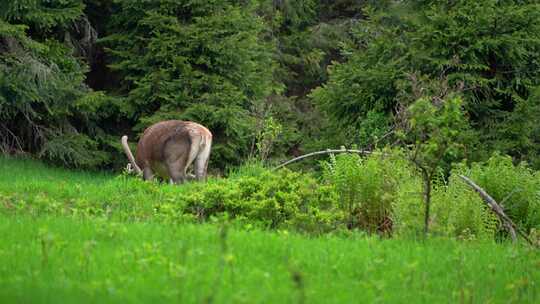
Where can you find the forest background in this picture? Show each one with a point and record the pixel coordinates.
(436, 92)
(270, 78)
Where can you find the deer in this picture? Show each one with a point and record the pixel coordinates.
(168, 148)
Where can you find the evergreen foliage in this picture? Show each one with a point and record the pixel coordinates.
(193, 60)
(42, 90)
(308, 34)
(277, 78)
(490, 48)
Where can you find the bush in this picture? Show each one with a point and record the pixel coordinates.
(379, 194)
(368, 189)
(282, 199)
(459, 212)
(517, 187)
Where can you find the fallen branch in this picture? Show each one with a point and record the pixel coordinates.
(327, 151)
(497, 209)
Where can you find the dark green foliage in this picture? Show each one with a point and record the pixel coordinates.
(519, 133)
(308, 34)
(42, 16)
(488, 49)
(42, 88)
(231, 65)
(193, 60)
(321, 73)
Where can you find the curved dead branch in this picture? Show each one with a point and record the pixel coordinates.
(498, 210)
(327, 151)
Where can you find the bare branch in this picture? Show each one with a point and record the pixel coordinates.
(496, 208)
(15, 141)
(328, 151)
(374, 144)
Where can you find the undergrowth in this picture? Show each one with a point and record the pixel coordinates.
(376, 194)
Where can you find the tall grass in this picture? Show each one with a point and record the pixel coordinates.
(378, 194)
(28, 186)
(76, 237)
(51, 260)
(270, 199)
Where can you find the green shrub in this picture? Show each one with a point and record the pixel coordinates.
(459, 212)
(516, 187)
(282, 199)
(369, 188)
(379, 193)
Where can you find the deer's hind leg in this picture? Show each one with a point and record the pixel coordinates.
(148, 175)
(176, 171)
(201, 162)
(176, 160)
(194, 151)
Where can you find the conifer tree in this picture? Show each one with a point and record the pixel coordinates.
(44, 103)
(491, 47)
(194, 60)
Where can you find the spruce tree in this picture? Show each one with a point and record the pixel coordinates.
(45, 107)
(204, 61)
(491, 48)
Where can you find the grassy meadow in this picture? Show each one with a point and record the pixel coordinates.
(77, 237)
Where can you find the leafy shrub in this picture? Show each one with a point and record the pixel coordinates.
(459, 212)
(368, 188)
(282, 199)
(379, 193)
(516, 187)
(434, 132)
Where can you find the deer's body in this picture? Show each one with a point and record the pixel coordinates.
(169, 147)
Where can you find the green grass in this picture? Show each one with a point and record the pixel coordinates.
(61, 248)
(67, 260)
(28, 186)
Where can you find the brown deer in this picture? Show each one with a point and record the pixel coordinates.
(168, 148)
